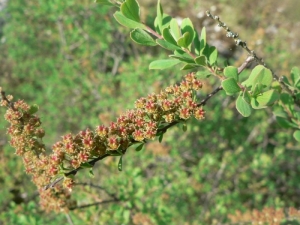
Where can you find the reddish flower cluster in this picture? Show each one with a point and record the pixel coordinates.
(175, 103)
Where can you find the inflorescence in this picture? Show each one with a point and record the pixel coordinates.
(151, 114)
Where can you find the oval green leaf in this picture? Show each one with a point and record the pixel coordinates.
(297, 135)
(139, 148)
(168, 36)
(131, 10)
(295, 75)
(163, 64)
(189, 66)
(259, 74)
(230, 86)
(174, 29)
(184, 40)
(243, 107)
(159, 16)
(187, 27)
(267, 98)
(201, 60)
(167, 45)
(213, 55)
(202, 40)
(142, 37)
(231, 71)
(128, 22)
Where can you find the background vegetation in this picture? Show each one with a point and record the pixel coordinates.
(74, 61)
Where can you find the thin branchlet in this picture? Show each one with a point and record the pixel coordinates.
(260, 61)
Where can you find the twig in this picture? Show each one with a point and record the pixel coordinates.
(245, 64)
(93, 204)
(4, 98)
(69, 219)
(203, 102)
(99, 187)
(260, 61)
(73, 172)
(240, 69)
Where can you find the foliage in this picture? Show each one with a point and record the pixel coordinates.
(214, 174)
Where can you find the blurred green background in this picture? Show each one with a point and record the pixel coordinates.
(74, 61)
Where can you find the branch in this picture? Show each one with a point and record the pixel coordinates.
(73, 172)
(99, 187)
(9, 103)
(161, 130)
(93, 204)
(240, 69)
(260, 61)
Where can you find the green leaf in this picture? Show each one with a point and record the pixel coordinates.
(295, 75)
(231, 71)
(243, 107)
(213, 55)
(285, 123)
(142, 37)
(163, 64)
(166, 21)
(167, 45)
(259, 74)
(140, 147)
(91, 173)
(201, 60)
(197, 43)
(257, 89)
(103, 2)
(120, 164)
(246, 96)
(230, 86)
(189, 66)
(202, 40)
(286, 81)
(182, 56)
(160, 138)
(265, 99)
(287, 100)
(33, 109)
(86, 165)
(174, 29)
(183, 41)
(159, 17)
(297, 135)
(128, 22)
(280, 112)
(131, 10)
(184, 127)
(168, 36)
(187, 27)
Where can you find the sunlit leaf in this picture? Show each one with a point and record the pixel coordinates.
(231, 71)
(259, 74)
(167, 45)
(120, 164)
(163, 64)
(131, 10)
(128, 22)
(297, 135)
(243, 107)
(142, 37)
(230, 86)
(174, 29)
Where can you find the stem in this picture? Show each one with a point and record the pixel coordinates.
(260, 61)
